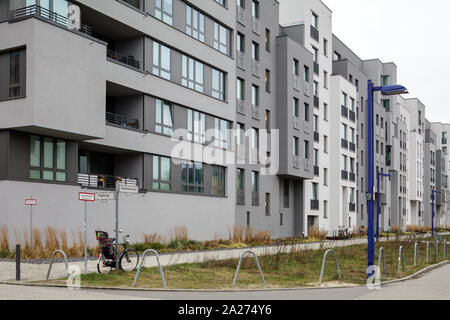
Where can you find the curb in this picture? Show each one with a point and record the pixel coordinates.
(413, 276)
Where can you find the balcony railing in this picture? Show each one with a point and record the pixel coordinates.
(352, 207)
(316, 171)
(316, 68)
(255, 68)
(296, 162)
(344, 175)
(297, 83)
(127, 60)
(316, 136)
(306, 89)
(240, 197)
(352, 115)
(314, 33)
(352, 177)
(297, 122)
(241, 15)
(255, 112)
(240, 151)
(344, 143)
(352, 146)
(240, 106)
(316, 102)
(344, 111)
(255, 198)
(39, 11)
(256, 25)
(315, 205)
(122, 121)
(133, 3)
(241, 60)
(104, 181)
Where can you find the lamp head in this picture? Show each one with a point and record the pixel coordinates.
(393, 90)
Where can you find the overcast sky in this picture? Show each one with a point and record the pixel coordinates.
(415, 34)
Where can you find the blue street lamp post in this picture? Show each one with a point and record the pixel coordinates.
(379, 175)
(433, 197)
(387, 91)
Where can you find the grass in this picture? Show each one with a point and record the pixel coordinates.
(286, 268)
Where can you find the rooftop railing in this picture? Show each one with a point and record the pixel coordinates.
(35, 10)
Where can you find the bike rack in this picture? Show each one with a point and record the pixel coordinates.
(51, 263)
(445, 249)
(257, 264)
(437, 250)
(428, 252)
(416, 254)
(381, 254)
(142, 264)
(401, 259)
(323, 265)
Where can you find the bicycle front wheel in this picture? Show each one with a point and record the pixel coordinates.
(102, 265)
(129, 260)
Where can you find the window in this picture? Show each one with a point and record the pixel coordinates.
(316, 88)
(344, 163)
(164, 118)
(240, 175)
(192, 74)
(325, 47)
(196, 126)
(221, 2)
(220, 38)
(295, 144)
(221, 133)
(295, 107)
(344, 131)
(267, 40)
(255, 138)
(306, 111)
(316, 157)
(315, 54)
(267, 204)
(255, 9)
(325, 112)
(240, 89)
(315, 191)
(195, 23)
(325, 80)
(306, 73)
(316, 123)
(161, 60)
(286, 194)
(14, 74)
(267, 120)
(255, 95)
(240, 42)
(336, 56)
(192, 177)
(47, 159)
(315, 20)
(218, 181)
(295, 67)
(218, 84)
(161, 174)
(325, 177)
(306, 149)
(325, 144)
(255, 51)
(255, 181)
(385, 80)
(163, 11)
(344, 99)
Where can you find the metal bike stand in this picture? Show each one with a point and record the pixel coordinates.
(381, 255)
(257, 264)
(142, 264)
(428, 252)
(51, 263)
(401, 259)
(437, 250)
(445, 249)
(323, 265)
(416, 254)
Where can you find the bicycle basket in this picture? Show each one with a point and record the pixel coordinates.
(101, 235)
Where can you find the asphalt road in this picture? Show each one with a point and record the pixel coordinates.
(434, 285)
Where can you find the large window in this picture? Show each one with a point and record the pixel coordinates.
(164, 11)
(192, 74)
(220, 38)
(14, 74)
(218, 181)
(192, 177)
(161, 60)
(195, 24)
(47, 159)
(161, 173)
(196, 126)
(164, 118)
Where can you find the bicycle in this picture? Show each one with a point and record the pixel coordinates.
(128, 258)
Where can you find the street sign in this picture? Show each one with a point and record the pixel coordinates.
(128, 189)
(104, 196)
(89, 197)
(30, 202)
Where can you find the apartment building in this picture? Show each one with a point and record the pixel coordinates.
(250, 113)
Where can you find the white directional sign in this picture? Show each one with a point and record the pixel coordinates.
(128, 189)
(30, 202)
(83, 196)
(104, 196)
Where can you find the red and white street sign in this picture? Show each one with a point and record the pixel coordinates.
(82, 196)
(30, 202)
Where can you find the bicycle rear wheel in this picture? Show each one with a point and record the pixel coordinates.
(129, 260)
(102, 266)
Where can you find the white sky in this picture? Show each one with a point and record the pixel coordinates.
(414, 34)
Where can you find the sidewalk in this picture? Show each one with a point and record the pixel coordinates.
(38, 272)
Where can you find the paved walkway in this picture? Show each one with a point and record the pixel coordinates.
(36, 272)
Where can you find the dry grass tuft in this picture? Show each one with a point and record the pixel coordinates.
(396, 229)
(4, 238)
(153, 238)
(236, 234)
(179, 233)
(316, 233)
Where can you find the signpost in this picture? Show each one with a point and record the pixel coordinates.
(85, 197)
(31, 203)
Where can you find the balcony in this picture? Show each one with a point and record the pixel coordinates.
(38, 11)
(296, 83)
(241, 13)
(344, 144)
(256, 25)
(103, 181)
(316, 171)
(240, 197)
(352, 207)
(315, 205)
(255, 199)
(344, 112)
(314, 33)
(128, 61)
(352, 177)
(316, 102)
(255, 68)
(352, 115)
(352, 147)
(240, 106)
(241, 60)
(255, 112)
(316, 68)
(122, 121)
(344, 175)
(316, 137)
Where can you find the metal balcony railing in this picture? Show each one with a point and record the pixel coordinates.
(104, 181)
(315, 205)
(133, 3)
(344, 143)
(255, 198)
(344, 111)
(241, 60)
(255, 68)
(255, 112)
(122, 121)
(316, 68)
(352, 207)
(127, 60)
(241, 14)
(240, 106)
(352, 115)
(344, 175)
(314, 33)
(297, 83)
(240, 197)
(316, 102)
(35, 10)
(256, 25)
(316, 171)
(316, 136)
